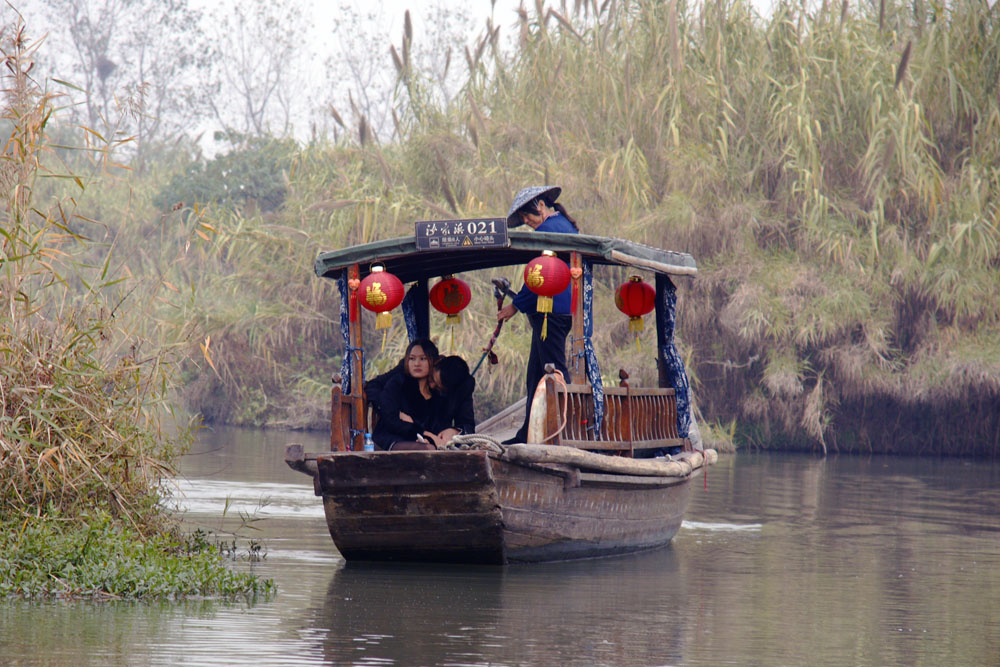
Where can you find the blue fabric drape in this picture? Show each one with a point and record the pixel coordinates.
(416, 311)
(345, 333)
(670, 358)
(409, 317)
(593, 368)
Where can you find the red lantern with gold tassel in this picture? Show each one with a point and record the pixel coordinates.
(450, 296)
(380, 292)
(635, 298)
(546, 276)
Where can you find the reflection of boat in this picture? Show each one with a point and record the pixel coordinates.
(609, 612)
(581, 490)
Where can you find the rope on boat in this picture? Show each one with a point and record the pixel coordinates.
(560, 380)
(479, 441)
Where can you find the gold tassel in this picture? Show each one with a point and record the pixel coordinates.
(544, 305)
(383, 321)
(635, 326)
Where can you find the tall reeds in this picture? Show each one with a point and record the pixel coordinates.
(80, 392)
(834, 173)
(829, 171)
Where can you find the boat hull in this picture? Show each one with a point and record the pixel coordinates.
(469, 507)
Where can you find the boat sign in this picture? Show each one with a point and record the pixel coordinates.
(478, 233)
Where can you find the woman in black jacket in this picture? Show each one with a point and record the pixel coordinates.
(424, 401)
(406, 401)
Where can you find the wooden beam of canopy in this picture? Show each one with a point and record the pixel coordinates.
(401, 257)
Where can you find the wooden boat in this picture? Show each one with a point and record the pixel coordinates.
(584, 486)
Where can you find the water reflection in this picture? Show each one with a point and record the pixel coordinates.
(587, 612)
(782, 560)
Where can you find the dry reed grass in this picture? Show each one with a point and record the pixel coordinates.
(80, 392)
(833, 172)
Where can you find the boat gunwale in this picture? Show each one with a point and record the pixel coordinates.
(309, 463)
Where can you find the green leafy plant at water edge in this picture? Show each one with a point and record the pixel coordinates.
(101, 559)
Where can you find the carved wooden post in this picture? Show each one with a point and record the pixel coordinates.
(626, 414)
(337, 443)
(357, 366)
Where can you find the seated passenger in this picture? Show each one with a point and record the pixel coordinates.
(452, 377)
(406, 401)
(375, 386)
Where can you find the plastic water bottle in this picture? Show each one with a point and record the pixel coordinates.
(369, 443)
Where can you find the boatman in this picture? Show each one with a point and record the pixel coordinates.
(537, 207)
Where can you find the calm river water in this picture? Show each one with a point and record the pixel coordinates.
(783, 560)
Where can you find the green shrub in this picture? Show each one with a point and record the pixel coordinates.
(94, 556)
(253, 174)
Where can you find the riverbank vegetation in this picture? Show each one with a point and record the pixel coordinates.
(832, 169)
(86, 443)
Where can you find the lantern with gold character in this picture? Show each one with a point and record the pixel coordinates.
(635, 298)
(380, 292)
(450, 296)
(546, 276)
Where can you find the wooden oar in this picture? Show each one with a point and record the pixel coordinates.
(501, 289)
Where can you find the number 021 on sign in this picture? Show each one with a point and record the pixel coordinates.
(479, 233)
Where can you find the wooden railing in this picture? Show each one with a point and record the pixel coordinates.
(634, 418)
(344, 411)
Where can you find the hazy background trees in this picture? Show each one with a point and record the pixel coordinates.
(236, 69)
(139, 69)
(263, 66)
(366, 63)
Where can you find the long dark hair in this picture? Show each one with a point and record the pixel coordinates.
(429, 348)
(532, 208)
(454, 373)
(562, 209)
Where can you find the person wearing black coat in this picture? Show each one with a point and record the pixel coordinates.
(414, 408)
(452, 377)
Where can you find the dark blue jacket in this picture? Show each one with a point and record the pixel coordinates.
(526, 299)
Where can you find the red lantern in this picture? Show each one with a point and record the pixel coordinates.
(635, 298)
(546, 276)
(380, 292)
(450, 296)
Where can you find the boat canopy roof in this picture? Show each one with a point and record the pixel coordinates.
(408, 263)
